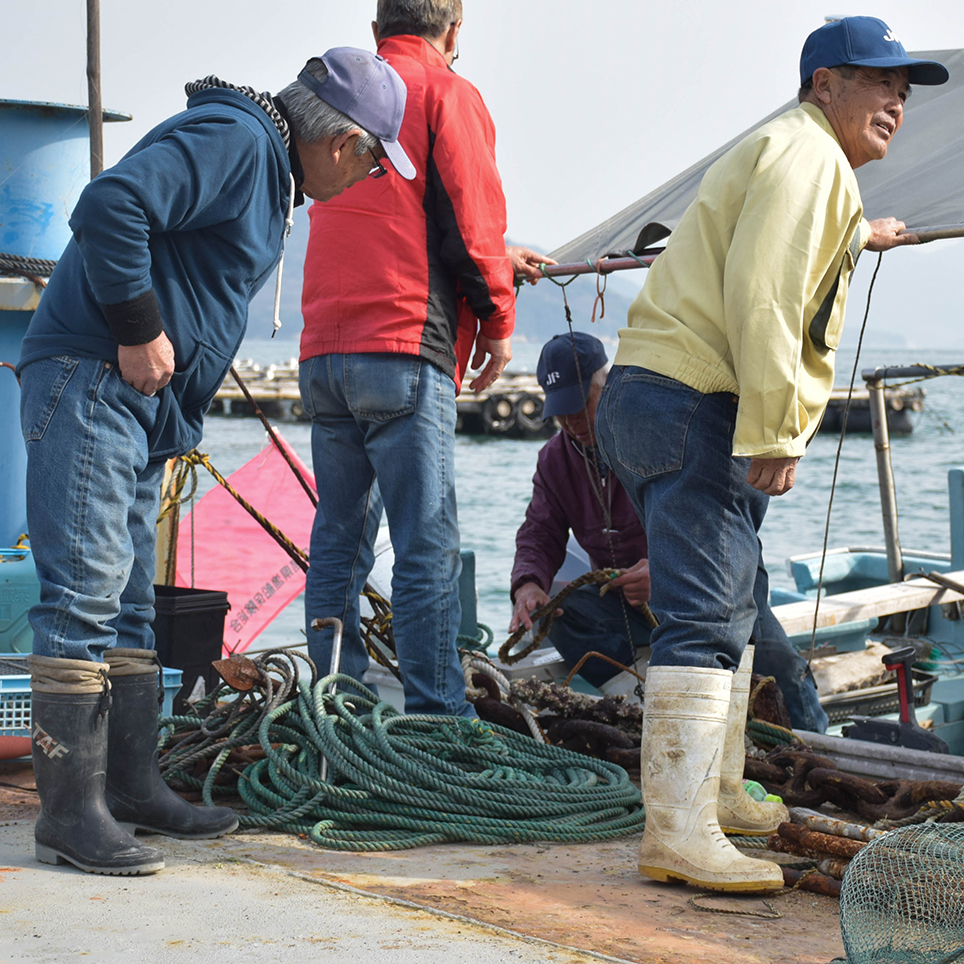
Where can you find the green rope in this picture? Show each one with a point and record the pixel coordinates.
(482, 641)
(395, 781)
(769, 734)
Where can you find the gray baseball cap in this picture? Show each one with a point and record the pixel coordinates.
(366, 88)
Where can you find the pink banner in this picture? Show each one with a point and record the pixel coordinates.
(233, 554)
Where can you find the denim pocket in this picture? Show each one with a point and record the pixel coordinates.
(198, 382)
(46, 381)
(648, 421)
(381, 387)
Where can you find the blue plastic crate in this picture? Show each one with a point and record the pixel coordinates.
(15, 696)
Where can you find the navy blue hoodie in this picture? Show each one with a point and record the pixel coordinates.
(195, 211)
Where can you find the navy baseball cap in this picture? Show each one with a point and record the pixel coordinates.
(864, 42)
(565, 369)
(366, 88)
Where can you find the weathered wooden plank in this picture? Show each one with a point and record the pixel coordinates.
(878, 601)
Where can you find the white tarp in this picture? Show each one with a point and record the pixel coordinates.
(921, 181)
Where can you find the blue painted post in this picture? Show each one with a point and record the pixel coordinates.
(955, 500)
(44, 165)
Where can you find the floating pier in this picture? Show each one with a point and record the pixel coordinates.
(512, 406)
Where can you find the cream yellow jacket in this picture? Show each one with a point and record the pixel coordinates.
(749, 295)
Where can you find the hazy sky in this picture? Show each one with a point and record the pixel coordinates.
(594, 104)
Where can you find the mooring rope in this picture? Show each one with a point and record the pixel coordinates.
(398, 781)
(547, 612)
(32, 268)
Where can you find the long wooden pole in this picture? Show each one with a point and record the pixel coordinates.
(95, 108)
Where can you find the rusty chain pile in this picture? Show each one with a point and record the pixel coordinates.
(806, 779)
(829, 843)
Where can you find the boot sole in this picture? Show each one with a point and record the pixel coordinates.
(743, 832)
(736, 887)
(47, 855)
(144, 828)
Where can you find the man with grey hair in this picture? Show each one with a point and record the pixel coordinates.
(574, 490)
(720, 381)
(401, 280)
(132, 338)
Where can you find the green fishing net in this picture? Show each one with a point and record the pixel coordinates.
(902, 898)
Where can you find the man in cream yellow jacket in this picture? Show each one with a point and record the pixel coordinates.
(719, 382)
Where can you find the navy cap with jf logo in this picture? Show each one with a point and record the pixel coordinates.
(365, 88)
(864, 42)
(565, 369)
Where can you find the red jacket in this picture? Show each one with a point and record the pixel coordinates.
(392, 264)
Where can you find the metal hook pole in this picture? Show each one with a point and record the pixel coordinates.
(334, 666)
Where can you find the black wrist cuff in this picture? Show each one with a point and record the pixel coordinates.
(134, 322)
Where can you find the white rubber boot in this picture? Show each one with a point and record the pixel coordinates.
(684, 725)
(737, 811)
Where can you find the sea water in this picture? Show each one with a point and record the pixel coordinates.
(494, 482)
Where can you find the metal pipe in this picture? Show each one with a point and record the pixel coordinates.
(334, 666)
(95, 107)
(910, 371)
(885, 478)
(606, 265)
(884, 762)
(602, 266)
(936, 232)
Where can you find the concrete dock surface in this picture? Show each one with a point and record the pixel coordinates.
(262, 896)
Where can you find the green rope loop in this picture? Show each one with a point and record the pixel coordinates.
(396, 781)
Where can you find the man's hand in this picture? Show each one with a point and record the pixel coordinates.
(885, 234)
(525, 263)
(528, 598)
(772, 476)
(499, 351)
(149, 367)
(634, 583)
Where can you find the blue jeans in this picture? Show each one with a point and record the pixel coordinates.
(670, 447)
(590, 622)
(389, 419)
(92, 503)
(776, 656)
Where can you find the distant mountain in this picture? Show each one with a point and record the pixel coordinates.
(540, 311)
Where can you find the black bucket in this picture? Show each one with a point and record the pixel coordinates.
(189, 636)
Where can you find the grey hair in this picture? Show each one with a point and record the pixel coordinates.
(312, 119)
(423, 18)
(599, 375)
(847, 71)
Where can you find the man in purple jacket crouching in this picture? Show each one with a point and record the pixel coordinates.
(574, 490)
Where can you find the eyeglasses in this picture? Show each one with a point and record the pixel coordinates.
(377, 169)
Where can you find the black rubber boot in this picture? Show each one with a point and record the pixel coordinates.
(70, 761)
(137, 795)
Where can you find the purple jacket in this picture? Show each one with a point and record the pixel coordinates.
(563, 498)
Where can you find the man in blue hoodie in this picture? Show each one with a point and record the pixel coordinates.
(135, 333)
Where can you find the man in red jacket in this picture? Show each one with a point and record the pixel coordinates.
(399, 284)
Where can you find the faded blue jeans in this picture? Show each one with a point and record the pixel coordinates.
(590, 622)
(92, 503)
(387, 419)
(671, 448)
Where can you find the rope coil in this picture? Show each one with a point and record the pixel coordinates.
(394, 781)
